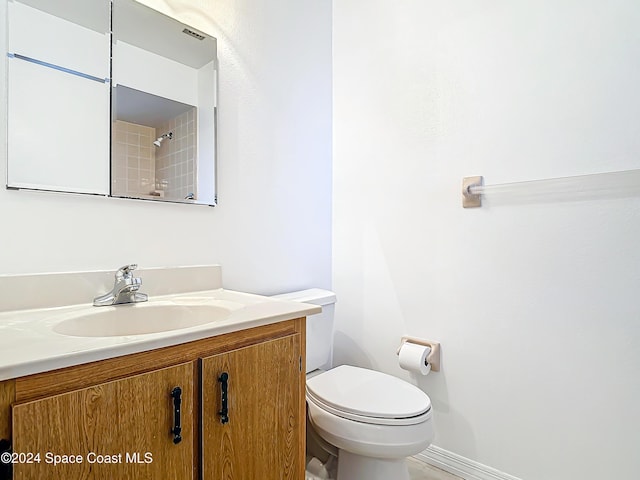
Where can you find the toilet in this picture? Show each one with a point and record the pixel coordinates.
(371, 420)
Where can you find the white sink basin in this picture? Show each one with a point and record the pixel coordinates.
(139, 319)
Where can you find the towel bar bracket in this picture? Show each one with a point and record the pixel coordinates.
(471, 200)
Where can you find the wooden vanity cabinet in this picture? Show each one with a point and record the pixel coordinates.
(255, 433)
(123, 408)
(119, 429)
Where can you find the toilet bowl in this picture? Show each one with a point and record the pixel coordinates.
(374, 420)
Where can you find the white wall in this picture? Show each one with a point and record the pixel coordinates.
(68, 44)
(271, 230)
(159, 75)
(535, 304)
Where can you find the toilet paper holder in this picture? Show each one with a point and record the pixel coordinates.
(433, 358)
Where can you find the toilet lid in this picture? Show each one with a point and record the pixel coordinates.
(367, 393)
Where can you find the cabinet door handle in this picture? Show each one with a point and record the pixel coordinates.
(224, 389)
(176, 394)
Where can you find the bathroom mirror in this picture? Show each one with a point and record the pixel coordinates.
(163, 107)
(110, 99)
(58, 95)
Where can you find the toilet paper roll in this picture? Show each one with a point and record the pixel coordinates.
(413, 357)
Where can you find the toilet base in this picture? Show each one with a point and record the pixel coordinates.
(359, 467)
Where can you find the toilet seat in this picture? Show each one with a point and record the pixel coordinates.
(367, 396)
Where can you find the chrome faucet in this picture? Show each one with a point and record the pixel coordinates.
(125, 290)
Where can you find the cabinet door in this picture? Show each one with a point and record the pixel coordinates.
(116, 430)
(264, 436)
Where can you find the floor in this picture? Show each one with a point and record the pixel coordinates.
(421, 471)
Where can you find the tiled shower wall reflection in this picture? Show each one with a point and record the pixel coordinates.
(140, 169)
(175, 159)
(133, 162)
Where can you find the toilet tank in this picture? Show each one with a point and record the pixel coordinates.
(319, 326)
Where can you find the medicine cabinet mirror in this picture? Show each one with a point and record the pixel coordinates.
(110, 98)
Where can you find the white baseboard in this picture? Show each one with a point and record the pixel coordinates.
(460, 466)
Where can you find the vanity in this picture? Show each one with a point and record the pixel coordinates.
(219, 399)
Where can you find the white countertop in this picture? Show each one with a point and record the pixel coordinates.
(29, 343)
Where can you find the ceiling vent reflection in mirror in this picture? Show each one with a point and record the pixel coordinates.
(193, 34)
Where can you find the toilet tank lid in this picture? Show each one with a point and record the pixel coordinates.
(314, 296)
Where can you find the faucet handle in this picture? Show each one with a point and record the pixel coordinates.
(125, 271)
